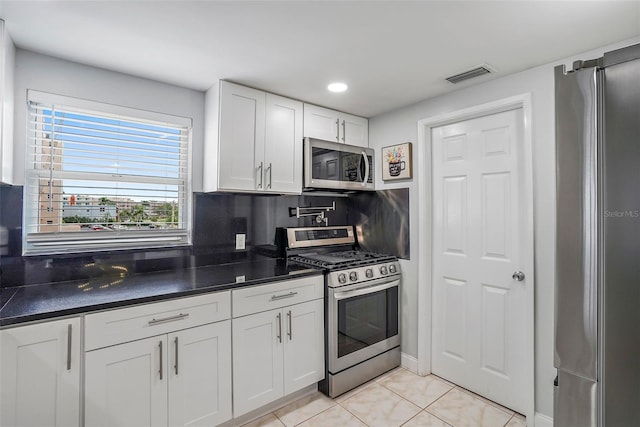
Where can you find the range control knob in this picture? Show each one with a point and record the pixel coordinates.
(383, 270)
(353, 276)
(342, 278)
(369, 273)
(392, 268)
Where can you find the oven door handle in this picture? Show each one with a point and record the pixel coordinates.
(366, 290)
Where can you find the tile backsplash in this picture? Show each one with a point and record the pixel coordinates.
(216, 220)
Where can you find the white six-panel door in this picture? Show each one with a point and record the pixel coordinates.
(479, 310)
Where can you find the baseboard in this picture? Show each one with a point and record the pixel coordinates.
(270, 407)
(542, 420)
(409, 363)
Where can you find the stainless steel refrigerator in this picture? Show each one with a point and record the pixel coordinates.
(597, 309)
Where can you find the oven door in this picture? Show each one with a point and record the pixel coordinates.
(362, 323)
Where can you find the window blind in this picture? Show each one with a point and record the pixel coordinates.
(101, 177)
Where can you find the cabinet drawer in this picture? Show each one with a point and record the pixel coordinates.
(128, 324)
(276, 295)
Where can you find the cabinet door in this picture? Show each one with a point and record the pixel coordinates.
(7, 71)
(40, 372)
(257, 360)
(283, 145)
(304, 345)
(200, 375)
(354, 130)
(241, 145)
(321, 123)
(126, 384)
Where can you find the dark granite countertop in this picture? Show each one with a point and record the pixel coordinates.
(118, 288)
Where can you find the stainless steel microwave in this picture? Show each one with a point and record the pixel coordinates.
(334, 166)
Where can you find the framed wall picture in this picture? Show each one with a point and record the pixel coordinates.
(397, 162)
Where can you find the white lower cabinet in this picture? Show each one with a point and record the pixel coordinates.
(123, 385)
(40, 374)
(181, 377)
(277, 352)
(200, 375)
(304, 345)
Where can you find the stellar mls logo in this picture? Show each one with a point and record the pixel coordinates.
(622, 214)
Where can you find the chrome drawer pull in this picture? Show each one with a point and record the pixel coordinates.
(176, 365)
(279, 336)
(68, 347)
(160, 370)
(289, 295)
(168, 319)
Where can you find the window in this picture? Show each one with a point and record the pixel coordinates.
(103, 177)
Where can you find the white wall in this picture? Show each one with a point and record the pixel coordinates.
(7, 68)
(53, 75)
(401, 126)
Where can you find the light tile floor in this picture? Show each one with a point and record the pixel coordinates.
(397, 398)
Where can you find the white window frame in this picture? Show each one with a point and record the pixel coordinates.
(42, 243)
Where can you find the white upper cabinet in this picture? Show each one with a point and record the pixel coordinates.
(7, 64)
(283, 145)
(253, 141)
(331, 125)
(242, 117)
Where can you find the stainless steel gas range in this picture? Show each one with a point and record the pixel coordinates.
(362, 337)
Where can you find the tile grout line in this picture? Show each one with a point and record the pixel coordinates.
(402, 397)
(409, 420)
(486, 400)
(324, 410)
(357, 418)
(432, 403)
(428, 413)
(425, 408)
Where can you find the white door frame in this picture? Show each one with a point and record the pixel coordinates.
(425, 232)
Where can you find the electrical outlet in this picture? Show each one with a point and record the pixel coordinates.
(240, 242)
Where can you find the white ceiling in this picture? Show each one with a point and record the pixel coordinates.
(390, 53)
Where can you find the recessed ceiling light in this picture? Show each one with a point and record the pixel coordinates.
(337, 87)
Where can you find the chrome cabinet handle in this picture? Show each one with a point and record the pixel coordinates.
(518, 276)
(260, 174)
(270, 169)
(289, 295)
(338, 130)
(290, 333)
(69, 347)
(279, 317)
(176, 365)
(344, 131)
(365, 178)
(160, 370)
(168, 319)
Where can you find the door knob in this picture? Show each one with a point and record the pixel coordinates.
(518, 276)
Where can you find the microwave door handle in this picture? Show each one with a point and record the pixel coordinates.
(365, 178)
(366, 290)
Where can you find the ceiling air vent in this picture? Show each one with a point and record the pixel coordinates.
(469, 74)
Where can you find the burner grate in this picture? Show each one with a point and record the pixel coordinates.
(342, 259)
